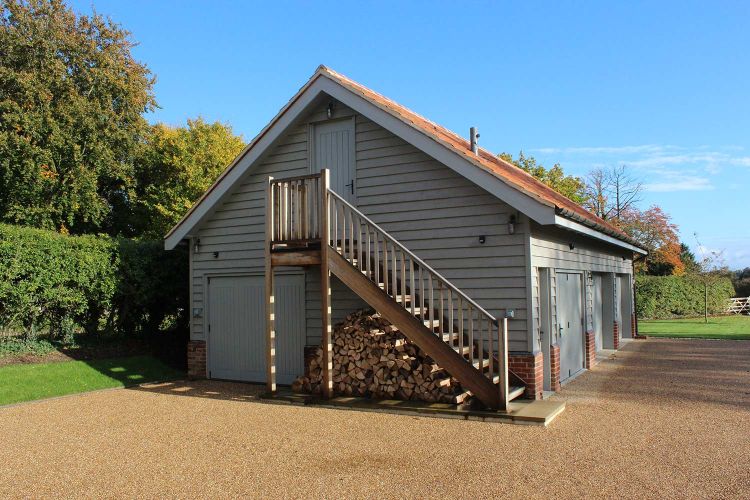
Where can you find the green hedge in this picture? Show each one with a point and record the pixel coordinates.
(660, 297)
(64, 285)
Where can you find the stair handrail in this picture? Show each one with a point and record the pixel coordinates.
(419, 261)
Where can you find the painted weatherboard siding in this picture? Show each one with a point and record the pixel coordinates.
(439, 215)
(236, 229)
(432, 210)
(550, 247)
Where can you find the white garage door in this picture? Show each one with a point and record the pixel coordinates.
(570, 324)
(236, 332)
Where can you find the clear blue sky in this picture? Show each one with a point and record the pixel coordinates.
(662, 88)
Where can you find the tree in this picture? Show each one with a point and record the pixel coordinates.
(72, 100)
(688, 259)
(741, 282)
(711, 269)
(611, 193)
(174, 168)
(653, 230)
(567, 185)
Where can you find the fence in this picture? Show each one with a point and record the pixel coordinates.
(738, 305)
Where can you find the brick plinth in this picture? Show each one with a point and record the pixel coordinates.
(554, 367)
(196, 359)
(529, 368)
(616, 335)
(590, 353)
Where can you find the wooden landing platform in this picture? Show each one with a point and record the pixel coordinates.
(521, 412)
(295, 258)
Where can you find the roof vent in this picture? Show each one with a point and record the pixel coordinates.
(474, 139)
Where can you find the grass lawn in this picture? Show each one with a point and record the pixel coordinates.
(718, 327)
(25, 382)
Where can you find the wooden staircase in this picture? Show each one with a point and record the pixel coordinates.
(463, 338)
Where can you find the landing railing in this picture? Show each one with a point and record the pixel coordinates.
(303, 206)
(296, 210)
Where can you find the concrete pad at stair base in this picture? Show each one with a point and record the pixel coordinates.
(520, 411)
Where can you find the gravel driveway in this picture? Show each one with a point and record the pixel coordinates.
(665, 418)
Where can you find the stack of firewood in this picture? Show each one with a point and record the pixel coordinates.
(372, 358)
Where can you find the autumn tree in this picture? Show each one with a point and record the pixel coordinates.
(654, 230)
(72, 99)
(567, 185)
(174, 168)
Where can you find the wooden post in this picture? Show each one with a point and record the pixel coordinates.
(502, 358)
(270, 303)
(325, 285)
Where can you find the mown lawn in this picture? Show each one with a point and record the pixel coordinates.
(26, 382)
(718, 327)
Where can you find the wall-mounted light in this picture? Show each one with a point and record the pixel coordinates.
(572, 246)
(216, 255)
(329, 110)
(512, 224)
(196, 245)
(482, 239)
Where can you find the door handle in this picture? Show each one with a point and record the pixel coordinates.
(561, 330)
(351, 186)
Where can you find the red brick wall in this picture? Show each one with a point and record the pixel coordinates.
(530, 369)
(554, 367)
(196, 359)
(590, 352)
(616, 334)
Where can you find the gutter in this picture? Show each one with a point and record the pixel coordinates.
(599, 227)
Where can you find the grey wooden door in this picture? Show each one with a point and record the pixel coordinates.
(570, 324)
(333, 149)
(626, 306)
(597, 304)
(236, 332)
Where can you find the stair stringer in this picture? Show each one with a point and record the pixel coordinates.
(443, 354)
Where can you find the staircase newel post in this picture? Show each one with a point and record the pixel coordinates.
(325, 284)
(502, 357)
(270, 303)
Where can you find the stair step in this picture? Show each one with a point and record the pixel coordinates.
(465, 350)
(484, 363)
(431, 323)
(401, 299)
(515, 392)
(448, 337)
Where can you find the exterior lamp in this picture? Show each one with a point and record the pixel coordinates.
(512, 224)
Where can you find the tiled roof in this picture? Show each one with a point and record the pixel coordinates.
(505, 171)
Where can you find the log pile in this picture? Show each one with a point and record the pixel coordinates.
(372, 358)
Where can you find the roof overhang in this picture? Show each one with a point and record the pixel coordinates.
(594, 233)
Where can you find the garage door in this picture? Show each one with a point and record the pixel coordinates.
(570, 324)
(597, 318)
(236, 332)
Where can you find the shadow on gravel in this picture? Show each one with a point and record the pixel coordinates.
(206, 389)
(702, 371)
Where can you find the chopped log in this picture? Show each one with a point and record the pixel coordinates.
(371, 358)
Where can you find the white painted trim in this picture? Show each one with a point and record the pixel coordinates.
(580, 228)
